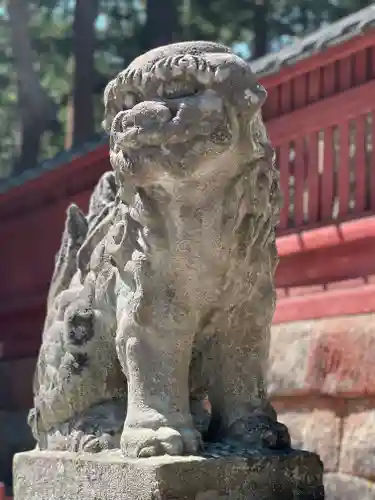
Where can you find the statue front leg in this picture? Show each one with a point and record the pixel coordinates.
(154, 346)
(241, 413)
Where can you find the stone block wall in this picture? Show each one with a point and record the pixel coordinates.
(322, 383)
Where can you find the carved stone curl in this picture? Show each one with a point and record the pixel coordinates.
(163, 296)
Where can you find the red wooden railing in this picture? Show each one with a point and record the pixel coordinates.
(320, 117)
(325, 154)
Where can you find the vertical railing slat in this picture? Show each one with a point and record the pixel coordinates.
(372, 187)
(271, 107)
(313, 178)
(360, 67)
(283, 163)
(299, 91)
(299, 181)
(329, 80)
(327, 175)
(313, 89)
(343, 174)
(286, 97)
(360, 165)
(372, 62)
(345, 73)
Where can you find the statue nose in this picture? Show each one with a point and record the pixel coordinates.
(150, 113)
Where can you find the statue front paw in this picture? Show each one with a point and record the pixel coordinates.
(140, 442)
(259, 432)
(79, 441)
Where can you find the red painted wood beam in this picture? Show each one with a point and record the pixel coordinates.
(330, 111)
(64, 181)
(327, 254)
(327, 304)
(326, 237)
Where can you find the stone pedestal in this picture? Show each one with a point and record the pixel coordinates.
(46, 475)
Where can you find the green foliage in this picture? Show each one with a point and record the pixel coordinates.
(50, 28)
(121, 35)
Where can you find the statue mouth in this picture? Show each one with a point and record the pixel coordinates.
(161, 138)
(163, 122)
(173, 103)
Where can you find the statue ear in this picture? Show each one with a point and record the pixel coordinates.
(74, 234)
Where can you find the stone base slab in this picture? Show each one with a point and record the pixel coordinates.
(47, 475)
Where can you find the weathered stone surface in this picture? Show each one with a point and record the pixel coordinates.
(358, 436)
(164, 293)
(288, 358)
(342, 357)
(344, 487)
(315, 425)
(330, 356)
(109, 476)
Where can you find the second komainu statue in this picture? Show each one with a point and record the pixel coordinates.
(162, 296)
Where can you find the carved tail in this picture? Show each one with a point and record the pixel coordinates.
(76, 236)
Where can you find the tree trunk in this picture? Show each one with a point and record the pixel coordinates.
(84, 40)
(38, 111)
(261, 28)
(162, 26)
(68, 139)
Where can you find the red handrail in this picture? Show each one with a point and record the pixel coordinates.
(326, 158)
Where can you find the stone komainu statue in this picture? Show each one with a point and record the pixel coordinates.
(162, 297)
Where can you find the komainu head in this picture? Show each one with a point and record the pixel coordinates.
(185, 120)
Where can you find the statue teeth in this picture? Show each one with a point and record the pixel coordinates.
(202, 66)
(221, 74)
(204, 77)
(160, 70)
(169, 62)
(189, 63)
(131, 74)
(145, 77)
(176, 71)
(137, 78)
